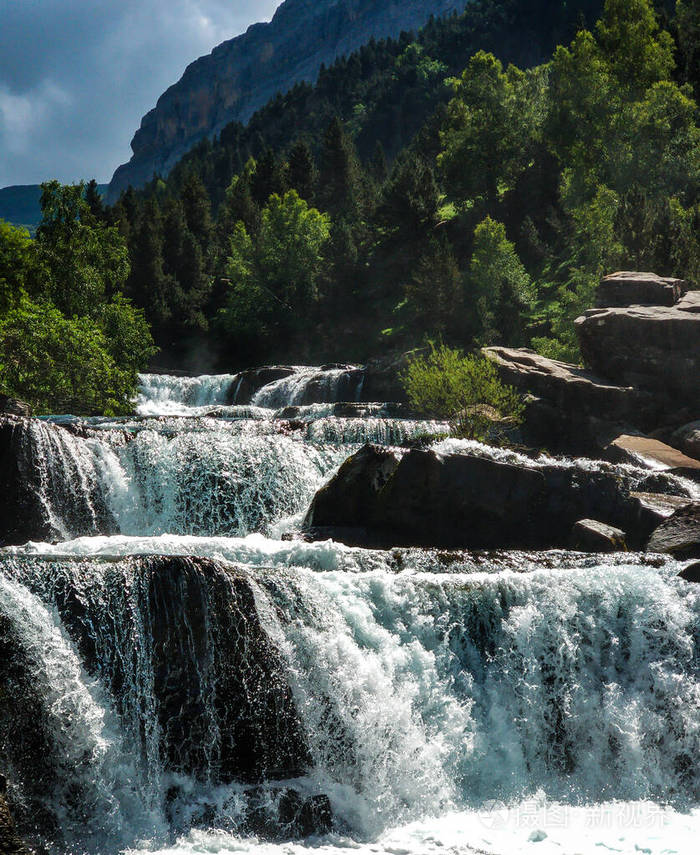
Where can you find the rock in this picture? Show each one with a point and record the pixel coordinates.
(655, 349)
(628, 288)
(23, 517)
(215, 670)
(383, 378)
(326, 388)
(687, 439)
(679, 535)
(650, 452)
(462, 500)
(657, 507)
(13, 406)
(565, 398)
(244, 73)
(691, 573)
(219, 701)
(594, 536)
(690, 302)
(252, 380)
(292, 815)
(10, 842)
(38, 471)
(349, 499)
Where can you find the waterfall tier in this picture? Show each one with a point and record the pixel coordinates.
(181, 672)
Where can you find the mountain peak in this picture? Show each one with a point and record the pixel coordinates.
(240, 75)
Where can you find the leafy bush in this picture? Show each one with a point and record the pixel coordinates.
(464, 390)
(60, 364)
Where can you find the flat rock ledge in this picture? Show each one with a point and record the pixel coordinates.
(629, 288)
(653, 348)
(569, 408)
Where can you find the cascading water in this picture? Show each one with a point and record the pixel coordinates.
(184, 681)
(164, 394)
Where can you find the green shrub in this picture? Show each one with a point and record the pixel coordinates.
(463, 390)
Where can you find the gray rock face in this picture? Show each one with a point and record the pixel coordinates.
(679, 535)
(566, 403)
(653, 348)
(14, 407)
(690, 302)
(627, 288)
(687, 439)
(242, 74)
(568, 386)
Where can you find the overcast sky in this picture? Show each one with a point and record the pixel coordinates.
(76, 76)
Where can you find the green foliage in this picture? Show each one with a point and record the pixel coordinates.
(60, 364)
(83, 261)
(493, 120)
(16, 265)
(274, 274)
(464, 390)
(128, 338)
(444, 203)
(69, 340)
(499, 289)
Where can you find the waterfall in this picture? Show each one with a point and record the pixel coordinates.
(417, 693)
(163, 394)
(312, 385)
(181, 672)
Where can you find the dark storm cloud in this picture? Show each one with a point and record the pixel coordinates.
(77, 75)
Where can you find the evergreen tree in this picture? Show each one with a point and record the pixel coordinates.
(301, 170)
(339, 188)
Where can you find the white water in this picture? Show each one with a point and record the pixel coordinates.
(499, 703)
(165, 394)
(335, 384)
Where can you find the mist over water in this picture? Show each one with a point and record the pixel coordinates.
(501, 703)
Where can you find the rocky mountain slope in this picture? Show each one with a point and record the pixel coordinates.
(242, 74)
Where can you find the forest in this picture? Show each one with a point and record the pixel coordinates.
(468, 185)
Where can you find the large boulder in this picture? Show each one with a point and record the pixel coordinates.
(687, 439)
(679, 535)
(346, 506)
(690, 302)
(628, 288)
(466, 500)
(182, 648)
(657, 507)
(383, 378)
(23, 516)
(45, 495)
(567, 402)
(656, 349)
(215, 670)
(691, 573)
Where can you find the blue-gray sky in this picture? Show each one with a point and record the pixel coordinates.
(76, 76)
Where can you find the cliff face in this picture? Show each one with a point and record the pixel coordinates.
(242, 74)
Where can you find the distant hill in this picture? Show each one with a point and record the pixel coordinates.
(242, 74)
(20, 204)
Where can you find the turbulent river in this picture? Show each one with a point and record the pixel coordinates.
(186, 676)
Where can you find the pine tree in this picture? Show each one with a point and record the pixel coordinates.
(339, 179)
(301, 170)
